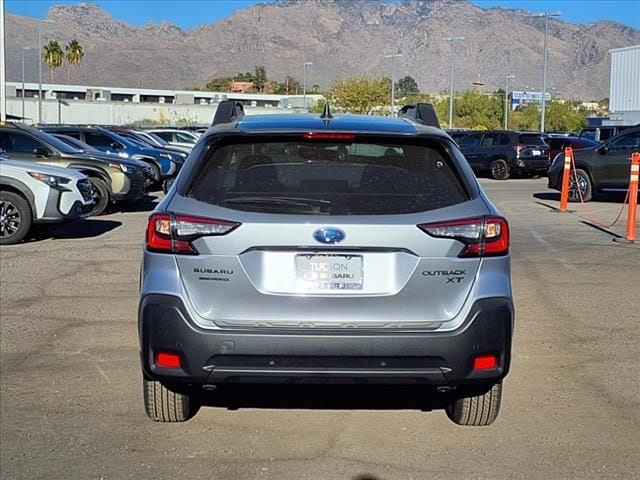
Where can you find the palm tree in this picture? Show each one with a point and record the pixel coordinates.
(53, 56)
(75, 54)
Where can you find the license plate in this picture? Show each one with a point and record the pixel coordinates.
(536, 152)
(328, 272)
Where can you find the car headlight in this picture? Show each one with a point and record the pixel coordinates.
(123, 154)
(51, 180)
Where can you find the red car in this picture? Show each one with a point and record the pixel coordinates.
(559, 143)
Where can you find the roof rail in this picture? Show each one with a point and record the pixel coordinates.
(228, 111)
(423, 113)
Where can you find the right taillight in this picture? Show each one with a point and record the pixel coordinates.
(483, 237)
(169, 233)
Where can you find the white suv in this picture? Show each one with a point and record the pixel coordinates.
(35, 193)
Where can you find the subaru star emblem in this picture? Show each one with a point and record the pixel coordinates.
(329, 235)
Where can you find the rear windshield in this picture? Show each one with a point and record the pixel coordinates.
(328, 178)
(531, 139)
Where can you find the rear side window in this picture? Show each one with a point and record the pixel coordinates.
(328, 178)
(472, 140)
(532, 139)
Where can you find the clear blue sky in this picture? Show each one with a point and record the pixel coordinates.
(189, 13)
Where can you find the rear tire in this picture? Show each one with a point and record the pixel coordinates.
(101, 196)
(584, 183)
(165, 405)
(499, 169)
(477, 411)
(15, 218)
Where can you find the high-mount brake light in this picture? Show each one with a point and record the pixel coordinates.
(169, 233)
(483, 237)
(328, 136)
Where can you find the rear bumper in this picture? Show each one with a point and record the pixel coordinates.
(219, 356)
(536, 164)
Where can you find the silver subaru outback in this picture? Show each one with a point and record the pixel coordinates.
(329, 249)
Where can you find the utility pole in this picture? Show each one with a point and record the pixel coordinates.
(506, 100)
(453, 41)
(393, 57)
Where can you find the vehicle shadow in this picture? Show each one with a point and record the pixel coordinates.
(325, 397)
(554, 196)
(87, 228)
(145, 204)
(602, 198)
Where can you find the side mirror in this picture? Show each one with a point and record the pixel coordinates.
(115, 146)
(602, 149)
(41, 152)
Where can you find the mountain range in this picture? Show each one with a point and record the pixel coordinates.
(341, 37)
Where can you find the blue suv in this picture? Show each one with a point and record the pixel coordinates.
(165, 164)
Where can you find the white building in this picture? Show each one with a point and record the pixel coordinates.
(624, 98)
(119, 106)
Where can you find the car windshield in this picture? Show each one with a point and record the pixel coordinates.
(329, 178)
(157, 139)
(75, 143)
(56, 143)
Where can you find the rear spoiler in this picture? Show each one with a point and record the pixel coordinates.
(423, 113)
(228, 111)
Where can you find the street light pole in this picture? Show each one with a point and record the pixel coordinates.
(393, 57)
(546, 16)
(453, 51)
(304, 84)
(39, 71)
(40, 22)
(24, 49)
(506, 100)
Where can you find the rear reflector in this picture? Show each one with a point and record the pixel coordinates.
(169, 233)
(328, 136)
(485, 362)
(483, 237)
(167, 360)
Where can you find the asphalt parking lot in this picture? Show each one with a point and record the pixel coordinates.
(71, 403)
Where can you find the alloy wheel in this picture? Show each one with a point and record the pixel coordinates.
(580, 183)
(10, 219)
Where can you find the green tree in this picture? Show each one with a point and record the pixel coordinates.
(260, 78)
(528, 118)
(219, 84)
(74, 55)
(52, 56)
(406, 86)
(564, 117)
(361, 94)
(244, 77)
(290, 86)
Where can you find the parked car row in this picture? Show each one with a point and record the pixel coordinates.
(71, 162)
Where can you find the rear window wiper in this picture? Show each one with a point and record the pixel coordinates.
(315, 205)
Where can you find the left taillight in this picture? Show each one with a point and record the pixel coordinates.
(483, 237)
(170, 233)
